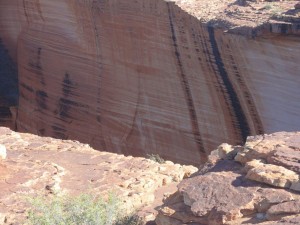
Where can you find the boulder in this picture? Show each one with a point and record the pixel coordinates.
(270, 197)
(274, 175)
(287, 155)
(213, 196)
(283, 209)
(226, 151)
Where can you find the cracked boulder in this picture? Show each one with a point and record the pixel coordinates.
(273, 159)
(213, 196)
(274, 175)
(278, 211)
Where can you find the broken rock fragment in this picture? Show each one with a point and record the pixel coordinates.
(213, 196)
(277, 176)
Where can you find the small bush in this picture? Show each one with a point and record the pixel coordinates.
(267, 7)
(156, 158)
(82, 210)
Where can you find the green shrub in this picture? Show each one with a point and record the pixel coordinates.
(155, 158)
(84, 209)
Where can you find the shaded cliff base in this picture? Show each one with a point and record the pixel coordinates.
(258, 183)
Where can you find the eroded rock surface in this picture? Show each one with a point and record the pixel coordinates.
(36, 165)
(249, 188)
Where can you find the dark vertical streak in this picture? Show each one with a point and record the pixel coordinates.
(35, 66)
(238, 112)
(187, 92)
(245, 93)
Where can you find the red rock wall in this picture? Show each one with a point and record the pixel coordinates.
(142, 77)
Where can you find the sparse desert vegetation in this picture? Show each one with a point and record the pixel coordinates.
(85, 209)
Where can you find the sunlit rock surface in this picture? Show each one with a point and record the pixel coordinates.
(252, 188)
(46, 166)
(139, 77)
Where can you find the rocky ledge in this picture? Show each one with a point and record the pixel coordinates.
(35, 165)
(256, 183)
(247, 17)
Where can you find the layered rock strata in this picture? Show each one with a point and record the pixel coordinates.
(139, 77)
(45, 166)
(260, 185)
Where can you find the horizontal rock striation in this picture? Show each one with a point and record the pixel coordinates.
(139, 77)
(241, 185)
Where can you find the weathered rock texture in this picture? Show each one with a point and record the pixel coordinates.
(241, 191)
(146, 76)
(36, 165)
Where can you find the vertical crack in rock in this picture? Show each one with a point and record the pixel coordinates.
(126, 136)
(187, 92)
(241, 120)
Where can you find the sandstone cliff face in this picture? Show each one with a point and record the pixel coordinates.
(139, 77)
